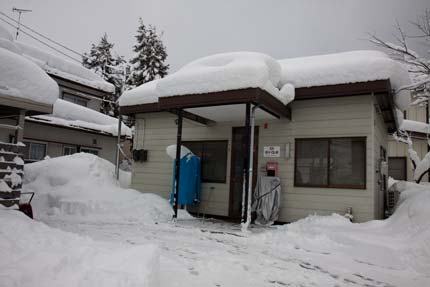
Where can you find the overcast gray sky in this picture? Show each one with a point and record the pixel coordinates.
(195, 28)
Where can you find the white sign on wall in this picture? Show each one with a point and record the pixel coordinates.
(272, 151)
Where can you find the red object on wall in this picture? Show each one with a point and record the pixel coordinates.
(266, 125)
(272, 168)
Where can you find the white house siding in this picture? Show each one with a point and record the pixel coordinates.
(333, 117)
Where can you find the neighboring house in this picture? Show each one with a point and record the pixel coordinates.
(328, 144)
(76, 124)
(25, 90)
(416, 124)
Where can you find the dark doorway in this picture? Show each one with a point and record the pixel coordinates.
(238, 149)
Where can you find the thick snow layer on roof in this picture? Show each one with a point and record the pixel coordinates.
(20, 77)
(216, 73)
(347, 67)
(65, 69)
(76, 116)
(414, 126)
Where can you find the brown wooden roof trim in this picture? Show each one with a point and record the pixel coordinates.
(250, 95)
(342, 90)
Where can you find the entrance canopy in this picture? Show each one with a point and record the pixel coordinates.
(217, 106)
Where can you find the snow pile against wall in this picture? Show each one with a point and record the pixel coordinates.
(344, 68)
(401, 242)
(84, 185)
(34, 254)
(65, 69)
(73, 115)
(216, 73)
(20, 77)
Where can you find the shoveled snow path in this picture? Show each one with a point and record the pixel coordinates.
(213, 253)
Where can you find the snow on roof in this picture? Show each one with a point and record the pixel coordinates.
(19, 77)
(75, 116)
(347, 67)
(65, 69)
(414, 126)
(216, 73)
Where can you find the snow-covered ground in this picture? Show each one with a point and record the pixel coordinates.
(111, 233)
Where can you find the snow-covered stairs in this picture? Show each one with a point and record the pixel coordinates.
(11, 173)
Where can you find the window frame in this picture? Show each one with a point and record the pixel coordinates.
(204, 180)
(89, 148)
(31, 142)
(405, 165)
(75, 98)
(329, 185)
(70, 146)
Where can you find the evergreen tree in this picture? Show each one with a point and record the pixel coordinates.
(110, 67)
(150, 55)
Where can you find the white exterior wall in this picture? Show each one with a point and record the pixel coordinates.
(335, 117)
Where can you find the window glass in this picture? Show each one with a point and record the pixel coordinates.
(311, 162)
(397, 167)
(347, 160)
(75, 99)
(68, 150)
(34, 151)
(336, 162)
(213, 156)
(89, 150)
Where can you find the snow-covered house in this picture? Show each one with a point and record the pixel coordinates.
(416, 124)
(75, 124)
(25, 90)
(321, 123)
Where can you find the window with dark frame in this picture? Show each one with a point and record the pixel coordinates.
(89, 150)
(75, 99)
(213, 157)
(68, 150)
(34, 151)
(330, 162)
(397, 167)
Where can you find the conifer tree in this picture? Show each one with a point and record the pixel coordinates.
(110, 67)
(150, 55)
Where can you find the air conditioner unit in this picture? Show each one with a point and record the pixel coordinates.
(392, 197)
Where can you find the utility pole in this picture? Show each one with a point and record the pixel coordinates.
(20, 11)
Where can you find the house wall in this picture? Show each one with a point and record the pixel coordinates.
(57, 137)
(333, 117)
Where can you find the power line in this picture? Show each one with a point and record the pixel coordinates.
(44, 43)
(41, 35)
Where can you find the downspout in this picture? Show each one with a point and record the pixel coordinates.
(250, 173)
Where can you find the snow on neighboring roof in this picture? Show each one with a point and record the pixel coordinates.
(414, 126)
(75, 116)
(216, 73)
(20, 77)
(346, 67)
(65, 69)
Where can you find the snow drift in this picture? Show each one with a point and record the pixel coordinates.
(34, 254)
(84, 185)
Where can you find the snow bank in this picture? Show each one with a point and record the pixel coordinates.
(34, 254)
(21, 78)
(216, 73)
(347, 67)
(84, 185)
(65, 69)
(73, 115)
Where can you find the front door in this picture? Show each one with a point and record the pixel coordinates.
(238, 149)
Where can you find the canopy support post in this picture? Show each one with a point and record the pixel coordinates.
(246, 144)
(177, 162)
(118, 145)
